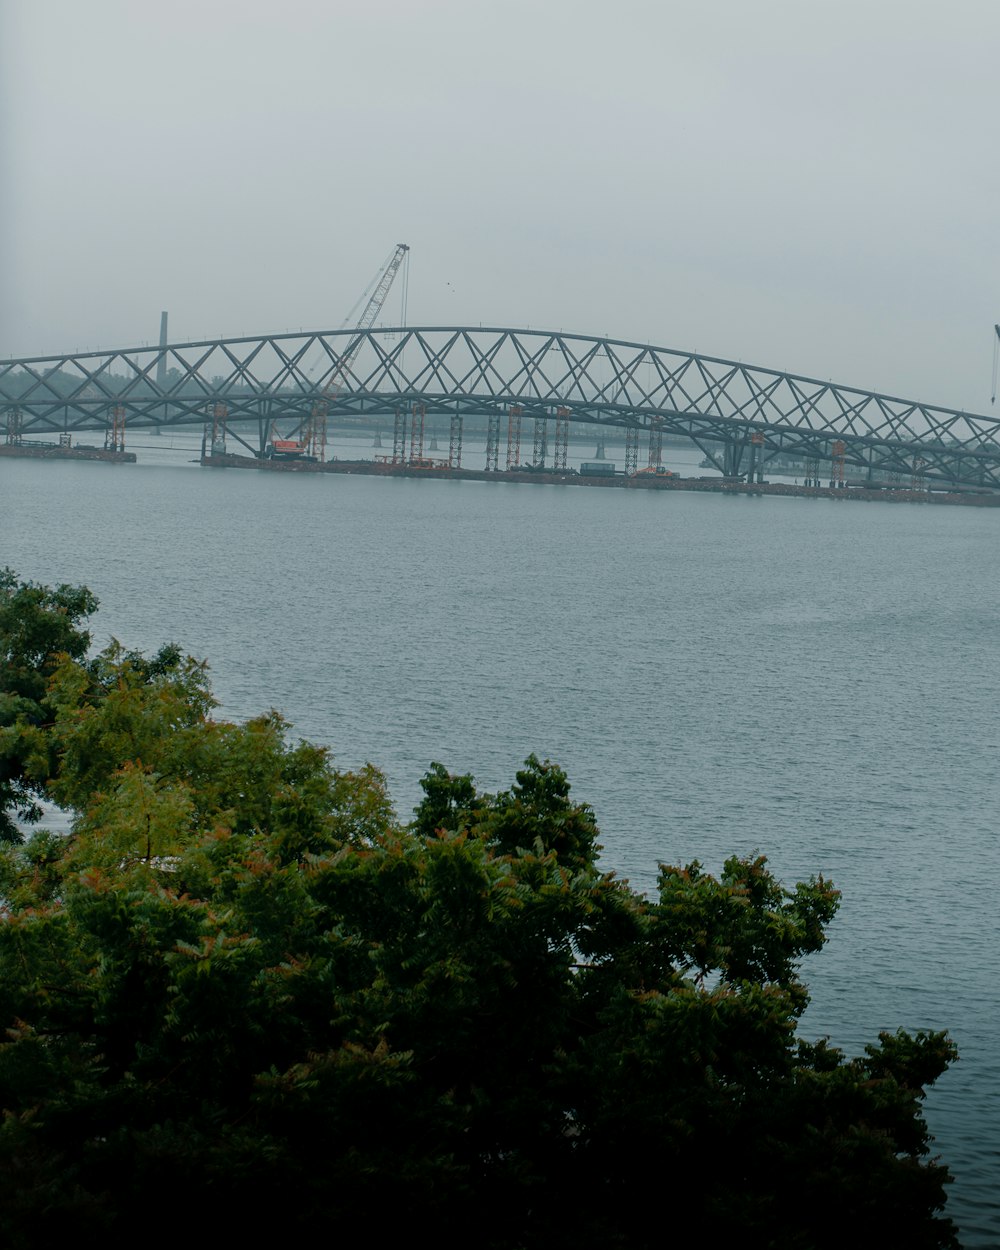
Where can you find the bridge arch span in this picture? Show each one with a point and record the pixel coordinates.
(737, 413)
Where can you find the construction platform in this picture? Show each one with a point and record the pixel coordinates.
(53, 451)
(637, 481)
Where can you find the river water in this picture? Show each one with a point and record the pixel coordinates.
(717, 674)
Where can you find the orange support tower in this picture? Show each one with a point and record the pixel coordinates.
(656, 446)
(837, 465)
(114, 435)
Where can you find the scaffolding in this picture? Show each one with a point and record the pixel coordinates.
(560, 449)
(314, 440)
(455, 442)
(756, 469)
(493, 443)
(220, 414)
(14, 427)
(514, 436)
(541, 446)
(417, 416)
(656, 446)
(837, 465)
(114, 435)
(631, 450)
(399, 437)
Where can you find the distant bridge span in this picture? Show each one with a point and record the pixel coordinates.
(741, 416)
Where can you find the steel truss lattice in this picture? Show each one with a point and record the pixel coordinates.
(720, 404)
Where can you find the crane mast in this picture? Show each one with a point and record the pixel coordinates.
(314, 440)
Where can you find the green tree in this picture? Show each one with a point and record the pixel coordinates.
(38, 625)
(241, 983)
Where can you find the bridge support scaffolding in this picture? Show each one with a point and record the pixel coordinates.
(631, 450)
(656, 446)
(493, 443)
(114, 435)
(541, 447)
(417, 416)
(314, 434)
(455, 442)
(755, 469)
(220, 413)
(560, 451)
(14, 427)
(399, 437)
(837, 465)
(514, 436)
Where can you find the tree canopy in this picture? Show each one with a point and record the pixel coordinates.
(242, 984)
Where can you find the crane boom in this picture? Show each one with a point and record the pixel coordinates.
(312, 440)
(315, 439)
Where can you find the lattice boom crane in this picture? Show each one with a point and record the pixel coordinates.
(315, 440)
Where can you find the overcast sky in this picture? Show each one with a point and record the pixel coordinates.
(802, 184)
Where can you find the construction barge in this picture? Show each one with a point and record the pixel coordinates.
(62, 451)
(642, 480)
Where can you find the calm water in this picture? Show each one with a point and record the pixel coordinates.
(816, 680)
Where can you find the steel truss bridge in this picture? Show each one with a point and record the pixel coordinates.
(741, 416)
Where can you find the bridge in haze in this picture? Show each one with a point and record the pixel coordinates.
(741, 416)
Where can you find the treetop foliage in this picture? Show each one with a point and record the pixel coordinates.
(240, 978)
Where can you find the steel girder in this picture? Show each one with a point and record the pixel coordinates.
(473, 372)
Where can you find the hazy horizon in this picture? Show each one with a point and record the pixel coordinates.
(804, 187)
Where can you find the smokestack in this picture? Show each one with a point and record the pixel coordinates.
(161, 369)
(161, 364)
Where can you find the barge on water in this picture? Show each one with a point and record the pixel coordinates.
(64, 451)
(642, 480)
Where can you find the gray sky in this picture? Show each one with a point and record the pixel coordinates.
(801, 184)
